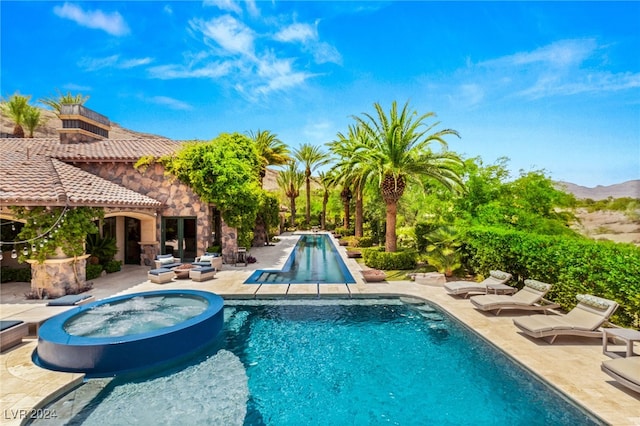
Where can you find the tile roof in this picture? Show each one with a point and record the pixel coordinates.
(34, 172)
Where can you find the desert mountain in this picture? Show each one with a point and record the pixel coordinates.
(626, 189)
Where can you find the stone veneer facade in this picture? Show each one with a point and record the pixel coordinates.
(178, 201)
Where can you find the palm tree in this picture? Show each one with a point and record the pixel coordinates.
(397, 149)
(271, 150)
(32, 119)
(353, 172)
(312, 157)
(290, 180)
(64, 99)
(327, 181)
(15, 109)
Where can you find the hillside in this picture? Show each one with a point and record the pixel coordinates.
(625, 189)
(51, 123)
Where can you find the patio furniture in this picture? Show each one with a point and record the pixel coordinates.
(202, 273)
(160, 275)
(209, 259)
(625, 371)
(583, 320)
(467, 287)
(166, 261)
(241, 256)
(71, 300)
(530, 297)
(11, 333)
(627, 335)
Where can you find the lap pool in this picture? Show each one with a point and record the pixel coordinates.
(326, 362)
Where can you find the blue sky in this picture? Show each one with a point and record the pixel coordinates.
(550, 85)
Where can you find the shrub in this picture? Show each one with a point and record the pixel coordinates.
(213, 249)
(15, 274)
(572, 265)
(93, 271)
(113, 266)
(378, 259)
(363, 242)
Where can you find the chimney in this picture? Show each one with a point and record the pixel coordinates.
(80, 124)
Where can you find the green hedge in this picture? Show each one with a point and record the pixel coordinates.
(93, 271)
(573, 265)
(378, 259)
(15, 274)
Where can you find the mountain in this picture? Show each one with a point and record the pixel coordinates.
(626, 189)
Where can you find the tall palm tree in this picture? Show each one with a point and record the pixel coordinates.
(327, 181)
(290, 180)
(312, 157)
(15, 109)
(398, 151)
(32, 119)
(271, 150)
(354, 172)
(64, 99)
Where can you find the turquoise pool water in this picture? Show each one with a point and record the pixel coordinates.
(314, 260)
(331, 363)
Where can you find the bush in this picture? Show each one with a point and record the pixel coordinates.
(93, 271)
(113, 266)
(378, 259)
(573, 265)
(363, 242)
(15, 274)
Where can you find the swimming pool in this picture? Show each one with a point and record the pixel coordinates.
(324, 362)
(314, 259)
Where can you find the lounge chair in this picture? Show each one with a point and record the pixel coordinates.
(209, 259)
(11, 333)
(467, 287)
(71, 300)
(625, 371)
(166, 261)
(530, 297)
(585, 320)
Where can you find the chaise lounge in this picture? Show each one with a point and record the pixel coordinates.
(585, 320)
(625, 371)
(11, 333)
(467, 287)
(71, 300)
(530, 297)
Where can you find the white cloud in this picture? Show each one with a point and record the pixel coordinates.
(324, 52)
(113, 61)
(229, 33)
(171, 103)
(213, 70)
(111, 23)
(226, 5)
(297, 32)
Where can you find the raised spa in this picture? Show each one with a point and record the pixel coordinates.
(129, 332)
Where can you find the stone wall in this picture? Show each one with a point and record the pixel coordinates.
(178, 200)
(55, 278)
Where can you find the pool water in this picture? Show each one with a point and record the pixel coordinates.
(314, 259)
(331, 363)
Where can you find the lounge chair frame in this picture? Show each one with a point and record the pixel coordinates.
(12, 336)
(566, 328)
(465, 288)
(606, 368)
(517, 301)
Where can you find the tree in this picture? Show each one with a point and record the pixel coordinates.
(32, 119)
(64, 99)
(327, 181)
(224, 172)
(398, 151)
(15, 108)
(311, 157)
(290, 180)
(271, 150)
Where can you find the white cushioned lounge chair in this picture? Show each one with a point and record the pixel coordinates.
(530, 297)
(467, 287)
(625, 371)
(583, 320)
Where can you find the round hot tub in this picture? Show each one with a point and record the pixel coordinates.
(129, 332)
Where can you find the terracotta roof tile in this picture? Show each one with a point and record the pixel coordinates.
(30, 176)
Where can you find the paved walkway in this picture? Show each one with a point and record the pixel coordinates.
(572, 364)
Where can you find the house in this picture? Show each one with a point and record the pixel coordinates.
(146, 212)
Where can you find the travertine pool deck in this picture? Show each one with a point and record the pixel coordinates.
(571, 364)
